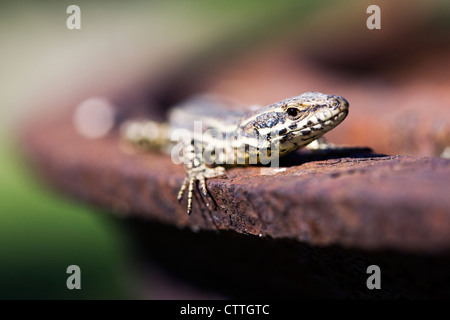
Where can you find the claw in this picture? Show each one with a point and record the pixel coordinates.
(182, 189)
(203, 185)
(200, 173)
(190, 194)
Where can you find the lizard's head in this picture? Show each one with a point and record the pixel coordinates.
(297, 121)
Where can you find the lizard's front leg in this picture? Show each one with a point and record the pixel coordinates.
(196, 171)
(322, 144)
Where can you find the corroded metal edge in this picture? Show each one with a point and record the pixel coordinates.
(354, 199)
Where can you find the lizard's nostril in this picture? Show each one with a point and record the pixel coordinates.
(345, 102)
(337, 101)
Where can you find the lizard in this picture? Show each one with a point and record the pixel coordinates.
(211, 137)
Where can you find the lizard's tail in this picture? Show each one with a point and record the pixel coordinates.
(146, 134)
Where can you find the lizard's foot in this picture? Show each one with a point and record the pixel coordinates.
(200, 173)
(322, 144)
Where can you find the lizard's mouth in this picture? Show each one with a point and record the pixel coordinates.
(322, 122)
(315, 126)
(311, 128)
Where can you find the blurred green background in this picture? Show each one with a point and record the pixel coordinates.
(44, 65)
(41, 234)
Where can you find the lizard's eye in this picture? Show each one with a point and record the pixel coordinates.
(293, 113)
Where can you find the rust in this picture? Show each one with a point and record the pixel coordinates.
(353, 198)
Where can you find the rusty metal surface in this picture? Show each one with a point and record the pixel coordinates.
(402, 110)
(323, 220)
(353, 199)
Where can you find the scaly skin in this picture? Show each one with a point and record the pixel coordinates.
(230, 138)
